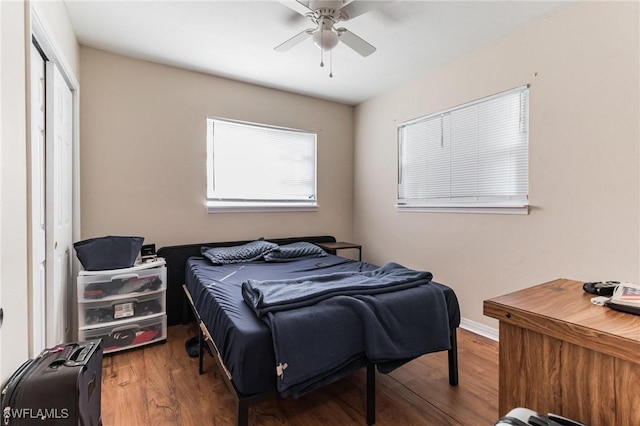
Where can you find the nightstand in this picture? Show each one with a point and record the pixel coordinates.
(341, 245)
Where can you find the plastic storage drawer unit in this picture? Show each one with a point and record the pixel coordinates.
(127, 307)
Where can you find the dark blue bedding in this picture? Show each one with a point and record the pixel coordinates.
(245, 342)
(284, 294)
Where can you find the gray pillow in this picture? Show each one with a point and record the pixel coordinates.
(237, 254)
(294, 251)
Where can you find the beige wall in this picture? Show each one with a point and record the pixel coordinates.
(583, 67)
(143, 153)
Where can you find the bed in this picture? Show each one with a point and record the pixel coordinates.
(268, 348)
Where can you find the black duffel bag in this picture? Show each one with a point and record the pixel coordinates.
(110, 252)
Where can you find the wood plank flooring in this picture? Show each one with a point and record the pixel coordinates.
(160, 385)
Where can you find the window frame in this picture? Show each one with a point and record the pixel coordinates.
(216, 204)
(518, 205)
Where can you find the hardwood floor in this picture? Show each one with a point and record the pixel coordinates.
(160, 385)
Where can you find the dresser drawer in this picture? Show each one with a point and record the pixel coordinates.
(120, 284)
(103, 313)
(129, 334)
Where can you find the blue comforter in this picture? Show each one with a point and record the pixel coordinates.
(327, 326)
(280, 295)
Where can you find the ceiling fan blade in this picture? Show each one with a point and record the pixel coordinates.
(355, 42)
(302, 7)
(359, 7)
(296, 39)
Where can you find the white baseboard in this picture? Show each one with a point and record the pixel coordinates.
(478, 328)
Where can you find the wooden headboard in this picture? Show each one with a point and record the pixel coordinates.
(178, 311)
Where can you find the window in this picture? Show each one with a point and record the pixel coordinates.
(474, 157)
(259, 167)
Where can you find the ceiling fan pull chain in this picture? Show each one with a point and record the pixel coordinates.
(331, 63)
(321, 50)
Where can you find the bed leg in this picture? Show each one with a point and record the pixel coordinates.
(453, 359)
(185, 310)
(371, 394)
(201, 344)
(242, 415)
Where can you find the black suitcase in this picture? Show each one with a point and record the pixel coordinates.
(61, 386)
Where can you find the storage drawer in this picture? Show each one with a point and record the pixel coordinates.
(128, 335)
(102, 313)
(119, 284)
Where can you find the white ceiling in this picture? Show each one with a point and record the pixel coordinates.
(235, 39)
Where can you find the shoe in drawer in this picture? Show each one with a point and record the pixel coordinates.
(122, 286)
(128, 335)
(115, 286)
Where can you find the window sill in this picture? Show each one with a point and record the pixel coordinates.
(259, 208)
(521, 210)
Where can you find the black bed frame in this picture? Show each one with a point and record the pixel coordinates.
(181, 310)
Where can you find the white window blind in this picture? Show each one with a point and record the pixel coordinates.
(475, 155)
(253, 165)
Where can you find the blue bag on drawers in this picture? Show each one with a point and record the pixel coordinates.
(110, 252)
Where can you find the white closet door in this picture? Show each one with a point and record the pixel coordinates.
(38, 206)
(59, 164)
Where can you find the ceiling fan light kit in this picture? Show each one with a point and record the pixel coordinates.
(325, 38)
(325, 14)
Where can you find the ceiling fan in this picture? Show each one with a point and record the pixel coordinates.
(325, 14)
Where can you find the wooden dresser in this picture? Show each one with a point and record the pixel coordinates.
(560, 353)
